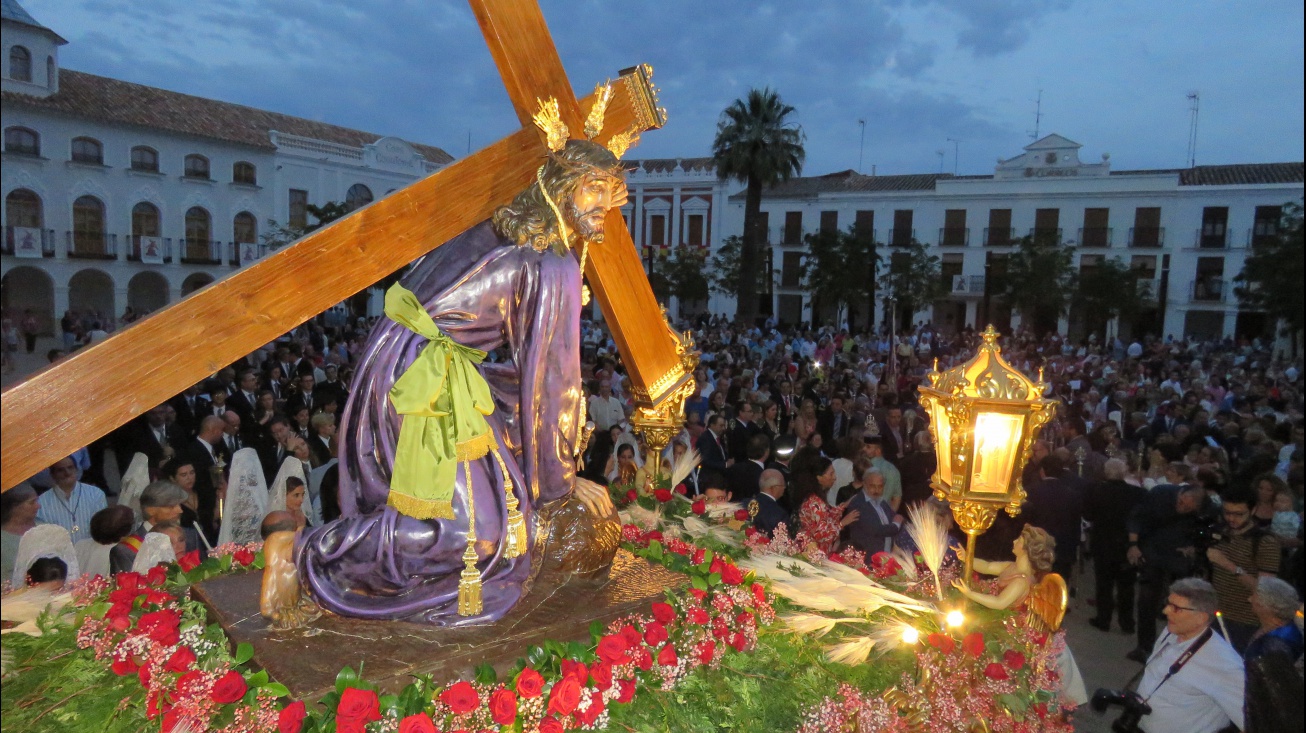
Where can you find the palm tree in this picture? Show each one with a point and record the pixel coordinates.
(756, 144)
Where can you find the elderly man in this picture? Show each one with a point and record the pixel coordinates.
(1205, 693)
(1274, 680)
(160, 502)
(71, 503)
(605, 410)
(876, 524)
(765, 508)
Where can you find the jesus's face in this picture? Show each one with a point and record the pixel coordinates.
(589, 204)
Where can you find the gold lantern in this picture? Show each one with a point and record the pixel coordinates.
(984, 417)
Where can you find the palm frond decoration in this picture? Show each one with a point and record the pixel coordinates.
(697, 528)
(829, 587)
(852, 651)
(930, 534)
(907, 563)
(684, 466)
(816, 624)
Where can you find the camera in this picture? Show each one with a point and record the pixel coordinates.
(1135, 707)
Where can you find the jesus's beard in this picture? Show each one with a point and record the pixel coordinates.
(580, 222)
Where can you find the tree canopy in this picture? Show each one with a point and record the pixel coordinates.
(913, 279)
(1271, 278)
(839, 267)
(1039, 282)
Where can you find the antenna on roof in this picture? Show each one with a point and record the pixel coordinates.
(940, 153)
(956, 147)
(861, 146)
(1038, 115)
(1194, 101)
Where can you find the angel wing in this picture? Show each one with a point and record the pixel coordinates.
(1047, 602)
(134, 482)
(247, 499)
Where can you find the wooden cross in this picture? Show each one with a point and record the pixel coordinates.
(70, 404)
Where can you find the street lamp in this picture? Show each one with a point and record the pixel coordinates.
(984, 417)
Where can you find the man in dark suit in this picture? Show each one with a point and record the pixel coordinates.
(781, 453)
(153, 437)
(1055, 505)
(243, 400)
(273, 452)
(834, 423)
(1168, 417)
(305, 398)
(711, 446)
(190, 407)
(744, 475)
(788, 403)
(742, 430)
(765, 508)
(874, 524)
(202, 453)
(897, 435)
(1107, 506)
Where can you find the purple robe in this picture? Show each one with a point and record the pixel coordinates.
(484, 292)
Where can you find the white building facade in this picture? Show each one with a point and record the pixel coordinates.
(119, 195)
(1186, 232)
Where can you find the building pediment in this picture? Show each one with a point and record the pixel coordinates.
(393, 154)
(1051, 156)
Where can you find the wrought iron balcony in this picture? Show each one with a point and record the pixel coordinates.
(998, 237)
(1095, 236)
(32, 242)
(1209, 290)
(1146, 236)
(91, 245)
(954, 236)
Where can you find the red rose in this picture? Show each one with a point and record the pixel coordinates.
(1040, 638)
(243, 557)
(996, 671)
(565, 696)
(612, 649)
(732, 575)
(181, 660)
(158, 575)
(880, 558)
(154, 705)
(717, 564)
(602, 674)
(291, 717)
(143, 674)
(973, 644)
(942, 642)
(750, 531)
(654, 535)
(123, 667)
(551, 725)
(1041, 710)
(631, 495)
(698, 594)
(759, 593)
(699, 555)
(422, 723)
(169, 721)
(530, 684)
(360, 705)
(739, 641)
(572, 668)
(625, 690)
(157, 597)
(667, 657)
(662, 495)
(591, 714)
(1013, 659)
(129, 581)
(461, 698)
(698, 507)
(189, 682)
(655, 634)
(697, 615)
(706, 650)
(680, 489)
(742, 515)
(644, 660)
(161, 626)
(745, 619)
(119, 608)
(350, 725)
(632, 636)
(503, 708)
(229, 688)
(720, 631)
(664, 613)
(120, 624)
(189, 561)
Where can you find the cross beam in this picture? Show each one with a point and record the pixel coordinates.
(75, 401)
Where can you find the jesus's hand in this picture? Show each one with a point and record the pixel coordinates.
(594, 496)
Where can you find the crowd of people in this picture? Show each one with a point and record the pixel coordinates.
(1170, 462)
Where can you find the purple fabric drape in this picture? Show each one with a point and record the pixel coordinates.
(483, 292)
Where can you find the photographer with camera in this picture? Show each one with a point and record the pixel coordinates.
(1241, 555)
(1163, 532)
(1193, 680)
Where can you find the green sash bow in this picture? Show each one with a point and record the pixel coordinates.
(443, 400)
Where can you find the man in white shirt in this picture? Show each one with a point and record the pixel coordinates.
(1206, 693)
(605, 410)
(71, 503)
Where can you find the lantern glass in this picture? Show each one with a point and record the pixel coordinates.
(996, 441)
(943, 438)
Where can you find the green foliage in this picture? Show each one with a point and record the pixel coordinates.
(756, 143)
(913, 279)
(1271, 277)
(681, 276)
(1105, 291)
(839, 266)
(723, 277)
(1039, 282)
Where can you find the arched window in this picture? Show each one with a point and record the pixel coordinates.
(145, 220)
(197, 166)
(199, 226)
(245, 228)
(145, 159)
(20, 64)
(23, 209)
(22, 140)
(88, 226)
(358, 197)
(243, 172)
(88, 150)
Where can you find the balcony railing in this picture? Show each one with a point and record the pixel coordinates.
(91, 245)
(954, 236)
(200, 251)
(968, 285)
(240, 254)
(997, 237)
(901, 237)
(1046, 234)
(1146, 236)
(1262, 234)
(1209, 290)
(1211, 240)
(31, 242)
(1095, 237)
(150, 250)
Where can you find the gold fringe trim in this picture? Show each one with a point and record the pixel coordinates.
(420, 508)
(515, 536)
(475, 448)
(469, 583)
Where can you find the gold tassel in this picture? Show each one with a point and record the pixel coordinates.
(515, 537)
(469, 584)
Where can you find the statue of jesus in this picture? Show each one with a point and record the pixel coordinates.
(513, 281)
